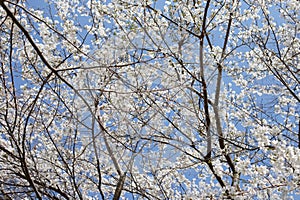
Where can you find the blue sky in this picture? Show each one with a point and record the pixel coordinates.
(41, 5)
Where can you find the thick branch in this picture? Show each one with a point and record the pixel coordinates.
(204, 86)
(119, 187)
(122, 178)
(216, 103)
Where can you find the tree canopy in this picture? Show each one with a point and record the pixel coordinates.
(149, 99)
